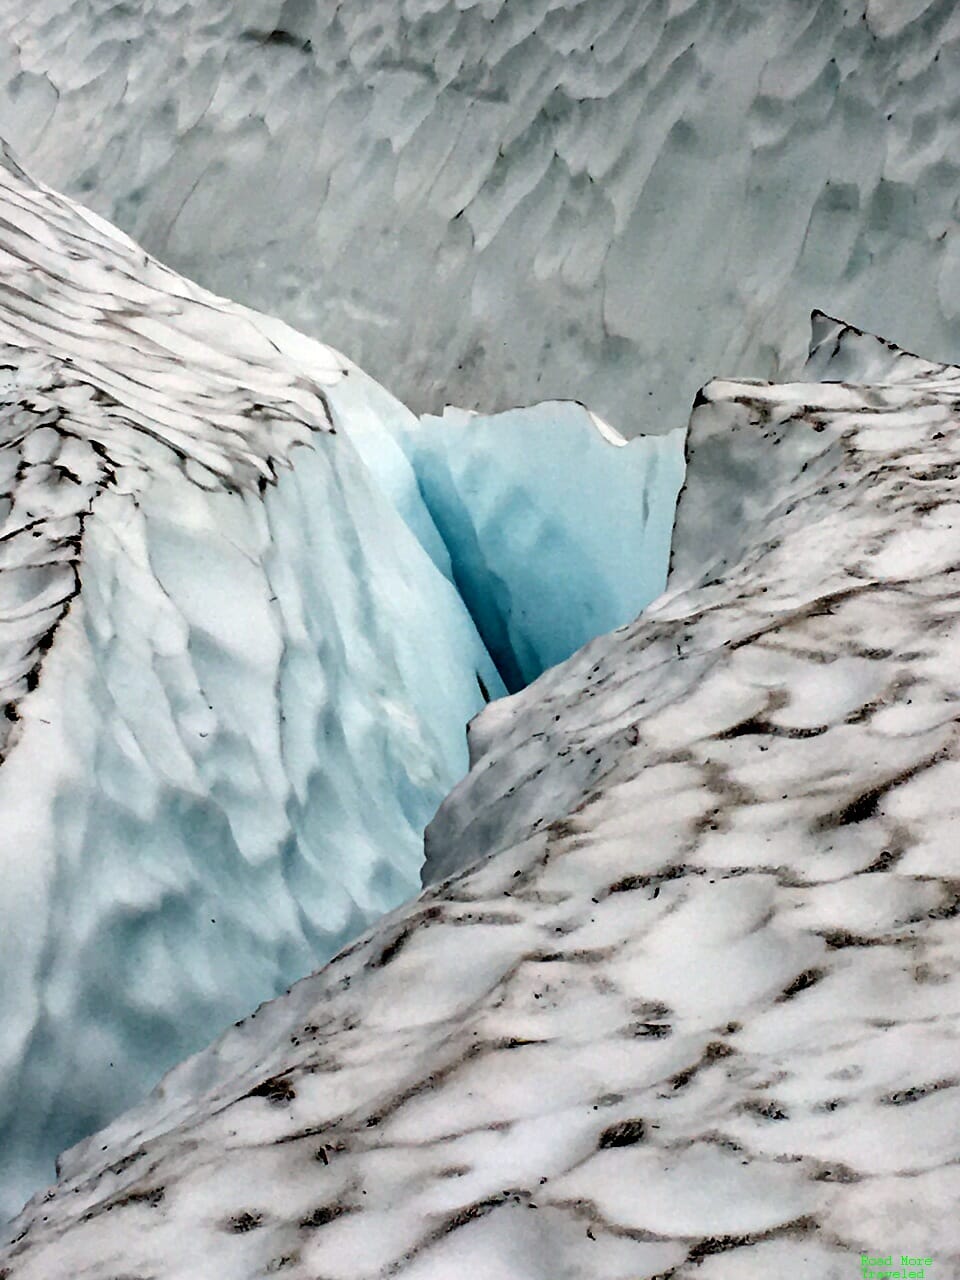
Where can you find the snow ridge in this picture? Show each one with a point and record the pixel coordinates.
(87, 400)
(234, 409)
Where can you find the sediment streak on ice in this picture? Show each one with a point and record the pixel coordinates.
(687, 1005)
(110, 366)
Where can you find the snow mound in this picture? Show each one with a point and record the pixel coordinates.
(234, 683)
(608, 201)
(558, 528)
(691, 1011)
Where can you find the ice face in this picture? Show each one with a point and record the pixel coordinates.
(558, 529)
(492, 203)
(235, 683)
(237, 653)
(687, 1003)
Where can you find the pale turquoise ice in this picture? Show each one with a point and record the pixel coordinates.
(558, 529)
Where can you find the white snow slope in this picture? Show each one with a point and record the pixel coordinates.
(492, 202)
(688, 1005)
(234, 684)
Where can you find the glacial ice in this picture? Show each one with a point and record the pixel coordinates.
(559, 529)
(491, 203)
(235, 684)
(713, 889)
(682, 999)
(235, 666)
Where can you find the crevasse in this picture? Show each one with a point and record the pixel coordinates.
(238, 649)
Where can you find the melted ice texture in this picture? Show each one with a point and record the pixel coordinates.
(494, 202)
(683, 998)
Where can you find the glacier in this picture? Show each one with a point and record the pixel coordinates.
(235, 664)
(678, 998)
(491, 203)
(681, 997)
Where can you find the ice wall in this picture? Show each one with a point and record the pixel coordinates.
(494, 203)
(558, 529)
(234, 684)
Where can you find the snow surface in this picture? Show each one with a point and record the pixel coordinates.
(234, 682)
(559, 528)
(688, 1005)
(492, 202)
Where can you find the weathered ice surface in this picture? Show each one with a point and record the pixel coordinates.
(233, 683)
(492, 202)
(692, 1010)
